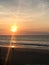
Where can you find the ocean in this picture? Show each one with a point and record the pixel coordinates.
(25, 41)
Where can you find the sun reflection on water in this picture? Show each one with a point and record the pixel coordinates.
(11, 45)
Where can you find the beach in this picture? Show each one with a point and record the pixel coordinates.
(23, 56)
(24, 50)
(24, 32)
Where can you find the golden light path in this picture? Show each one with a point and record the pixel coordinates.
(13, 30)
(12, 46)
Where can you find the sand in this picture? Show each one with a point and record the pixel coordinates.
(24, 56)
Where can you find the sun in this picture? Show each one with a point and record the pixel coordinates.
(12, 46)
(13, 28)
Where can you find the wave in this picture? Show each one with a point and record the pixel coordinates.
(25, 43)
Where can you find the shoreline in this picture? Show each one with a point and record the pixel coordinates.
(26, 49)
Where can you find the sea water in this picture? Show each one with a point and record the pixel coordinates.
(25, 41)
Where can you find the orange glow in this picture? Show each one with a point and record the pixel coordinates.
(12, 46)
(14, 28)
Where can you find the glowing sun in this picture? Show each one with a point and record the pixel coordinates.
(12, 46)
(14, 28)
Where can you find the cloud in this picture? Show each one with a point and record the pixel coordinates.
(27, 9)
(25, 3)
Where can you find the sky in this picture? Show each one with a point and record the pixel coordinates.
(30, 16)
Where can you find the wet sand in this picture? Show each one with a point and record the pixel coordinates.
(23, 56)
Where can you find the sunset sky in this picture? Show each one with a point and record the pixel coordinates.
(30, 16)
